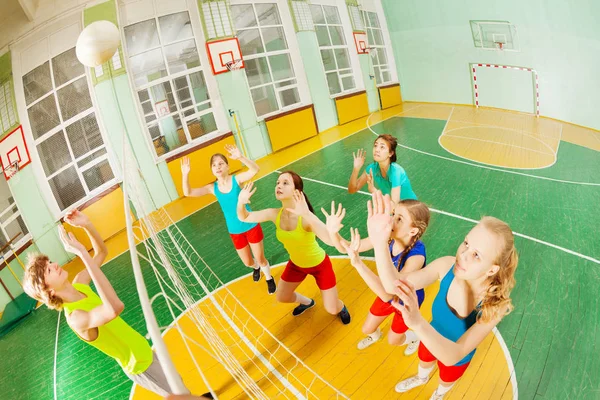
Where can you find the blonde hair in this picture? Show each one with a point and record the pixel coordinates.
(496, 302)
(34, 282)
(419, 213)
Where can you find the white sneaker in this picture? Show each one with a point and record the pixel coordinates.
(410, 383)
(369, 340)
(411, 347)
(436, 396)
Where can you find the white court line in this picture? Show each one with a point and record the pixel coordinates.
(494, 142)
(523, 132)
(563, 249)
(485, 166)
(504, 129)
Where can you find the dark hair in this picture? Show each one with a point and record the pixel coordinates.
(299, 185)
(218, 155)
(419, 213)
(392, 143)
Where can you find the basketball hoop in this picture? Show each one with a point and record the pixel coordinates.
(234, 65)
(10, 172)
(499, 45)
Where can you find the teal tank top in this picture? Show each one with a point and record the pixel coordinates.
(228, 202)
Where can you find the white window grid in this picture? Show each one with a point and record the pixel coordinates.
(61, 129)
(343, 72)
(8, 117)
(278, 85)
(185, 114)
(5, 221)
(371, 21)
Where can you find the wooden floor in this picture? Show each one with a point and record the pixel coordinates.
(326, 345)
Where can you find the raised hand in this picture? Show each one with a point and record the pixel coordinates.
(246, 193)
(70, 243)
(234, 152)
(370, 180)
(352, 247)
(77, 219)
(334, 219)
(300, 204)
(407, 302)
(359, 158)
(379, 220)
(185, 166)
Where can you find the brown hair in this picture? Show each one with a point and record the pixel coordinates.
(392, 143)
(34, 282)
(419, 213)
(299, 185)
(218, 155)
(496, 301)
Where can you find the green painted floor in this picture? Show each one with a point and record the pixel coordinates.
(551, 334)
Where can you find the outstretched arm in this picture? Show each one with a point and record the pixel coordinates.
(333, 224)
(370, 278)
(188, 191)
(235, 154)
(355, 182)
(111, 306)
(269, 214)
(445, 350)
(79, 220)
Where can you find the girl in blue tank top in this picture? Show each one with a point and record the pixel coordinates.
(247, 238)
(407, 251)
(473, 298)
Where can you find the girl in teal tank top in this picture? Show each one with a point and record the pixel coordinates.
(473, 298)
(247, 238)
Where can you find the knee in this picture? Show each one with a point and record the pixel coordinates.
(396, 340)
(285, 297)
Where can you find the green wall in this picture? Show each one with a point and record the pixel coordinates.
(433, 46)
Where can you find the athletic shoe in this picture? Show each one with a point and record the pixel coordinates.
(301, 308)
(436, 396)
(369, 340)
(271, 286)
(410, 383)
(256, 275)
(412, 347)
(344, 316)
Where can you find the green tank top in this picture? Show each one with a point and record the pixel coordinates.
(116, 339)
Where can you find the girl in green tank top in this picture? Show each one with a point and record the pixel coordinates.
(94, 317)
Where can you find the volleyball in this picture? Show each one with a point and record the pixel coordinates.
(97, 43)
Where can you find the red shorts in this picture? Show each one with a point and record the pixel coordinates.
(323, 273)
(447, 374)
(241, 240)
(380, 308)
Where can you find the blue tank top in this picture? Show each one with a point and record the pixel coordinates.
(445, 321)
(228, 203)
(417, 250)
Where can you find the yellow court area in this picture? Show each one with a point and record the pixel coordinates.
(319, 339)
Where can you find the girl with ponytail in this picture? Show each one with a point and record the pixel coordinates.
(297, 229)
(407, 251)
(473, 298)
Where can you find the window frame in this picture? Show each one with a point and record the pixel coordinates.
(191, 7)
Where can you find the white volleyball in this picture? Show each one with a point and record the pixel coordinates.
(97, 43)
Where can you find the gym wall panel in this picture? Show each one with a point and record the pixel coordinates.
(390, 95)
(292, 127)
(352, 106)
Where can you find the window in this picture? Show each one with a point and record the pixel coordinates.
(334, 49)
(379, 52)
(271, 77)
(11, 223)
(63, 123)
(169, 81)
